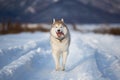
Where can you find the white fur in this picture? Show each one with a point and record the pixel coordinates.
(60, 48)
(53, 20)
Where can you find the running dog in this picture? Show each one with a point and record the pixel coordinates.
(60, 41)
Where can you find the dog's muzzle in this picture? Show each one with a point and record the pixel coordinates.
(59, 34)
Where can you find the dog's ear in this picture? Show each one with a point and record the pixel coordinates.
(62, 19)
(53, 20)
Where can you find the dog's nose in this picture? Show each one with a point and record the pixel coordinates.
(58, 30)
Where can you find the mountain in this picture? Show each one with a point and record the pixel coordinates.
(112, 6)
(73, 11)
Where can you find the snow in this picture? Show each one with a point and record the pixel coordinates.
(92, 27)
(27, 56)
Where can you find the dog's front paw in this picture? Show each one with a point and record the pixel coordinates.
(57, 69)
(63, 69)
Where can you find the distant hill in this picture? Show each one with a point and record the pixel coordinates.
(112, 6)
(73, 11)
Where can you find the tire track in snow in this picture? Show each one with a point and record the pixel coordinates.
(14, 53)
(104, 56)
(23, 63)
(18, 66)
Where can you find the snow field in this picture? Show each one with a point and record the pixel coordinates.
(28, 57)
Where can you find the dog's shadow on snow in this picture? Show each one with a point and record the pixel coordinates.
(79, 63)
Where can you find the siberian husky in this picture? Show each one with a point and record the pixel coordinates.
(60, 41)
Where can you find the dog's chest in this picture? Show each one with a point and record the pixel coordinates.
(60, 45)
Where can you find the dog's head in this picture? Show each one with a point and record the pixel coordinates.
(59, 29)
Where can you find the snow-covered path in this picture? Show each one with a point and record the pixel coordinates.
(27, 56)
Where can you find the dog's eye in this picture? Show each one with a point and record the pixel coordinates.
(56, 27)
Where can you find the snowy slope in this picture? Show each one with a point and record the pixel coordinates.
(27, 56)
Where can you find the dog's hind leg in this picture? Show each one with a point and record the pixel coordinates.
(56, 57)
(64, 58)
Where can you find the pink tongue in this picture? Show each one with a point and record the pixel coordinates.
(59, 34)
